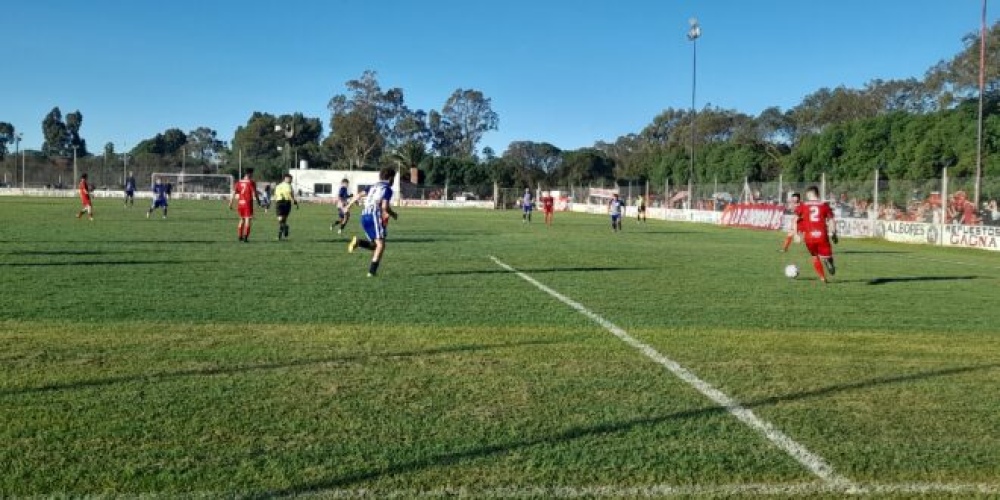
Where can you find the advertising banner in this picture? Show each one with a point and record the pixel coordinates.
(984, 237)
(908, 232)
(855, 228)
(753, 216)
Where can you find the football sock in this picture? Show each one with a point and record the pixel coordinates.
(164, 212)
(788, 243)
(367, 245)
(818, 266)
(373, 268)
(830, 267)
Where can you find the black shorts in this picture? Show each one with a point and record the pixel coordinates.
(642, 209)
(284, 208)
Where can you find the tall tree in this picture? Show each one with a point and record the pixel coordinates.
(57, 138)
(6, 137)
(74, 121)
(203, 144)
(534, 161)
(472, 114)
(409, 156)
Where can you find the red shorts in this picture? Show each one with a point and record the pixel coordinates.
(246, 211)
(547, 210)
(818, 247)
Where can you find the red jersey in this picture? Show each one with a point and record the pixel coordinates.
(813, 216)
(245, 191)
(84, 192)
(548, 203)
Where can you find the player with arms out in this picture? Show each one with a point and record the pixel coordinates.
(344, 202)
(85, 191)
(130, 190)
(818, 227)
(615, 207)
(548, 206)
(246, 192)
(374, 217)
(794, 200)
(159, 198)
(283, 200)
(527, 205)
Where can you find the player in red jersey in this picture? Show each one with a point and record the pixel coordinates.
(794, 200)
(815, 219)
(548, 207)
(85, 198)
(246, 192)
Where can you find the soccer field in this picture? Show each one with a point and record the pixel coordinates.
(489, 358)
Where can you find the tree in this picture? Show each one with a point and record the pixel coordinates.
(74, 121)
(168, 143)
(409, 156)
(534, 161)
(57, 138)
(367, 121)
(203, 144)
(584, 166)
(7, 136)
(472, 115)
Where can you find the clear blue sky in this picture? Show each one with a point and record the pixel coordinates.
(569, 72)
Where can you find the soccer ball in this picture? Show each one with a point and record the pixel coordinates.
(792, 271)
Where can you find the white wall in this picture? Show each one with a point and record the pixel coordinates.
(305, 181)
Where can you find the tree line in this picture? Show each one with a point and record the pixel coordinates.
(908, 129)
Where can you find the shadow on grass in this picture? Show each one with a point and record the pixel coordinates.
(871, 252)
(600, 429)
(56, 253)
(230, 370)
(88, 263)
(536, 271)
(909, 279)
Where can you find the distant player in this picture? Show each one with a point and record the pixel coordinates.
(343, 206)
(85, 191)
(548, 207)
(374, 217)
(245, 192)
(130, 190)
(640, 204)
(818, 227)
(794, 200)
(159, 198)
(283, 200)
(527, 205)
(615, 208)
(265, 201)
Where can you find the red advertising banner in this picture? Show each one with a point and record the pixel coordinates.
(753, 216)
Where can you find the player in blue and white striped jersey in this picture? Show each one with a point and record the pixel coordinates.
(615, 207)
(375, 217)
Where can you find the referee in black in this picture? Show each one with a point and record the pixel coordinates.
(283, 199)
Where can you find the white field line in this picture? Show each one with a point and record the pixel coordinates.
(752, 489)
(814, 463)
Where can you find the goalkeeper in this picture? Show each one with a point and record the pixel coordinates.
(283, 200)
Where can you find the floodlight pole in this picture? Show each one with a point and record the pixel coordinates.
(693, 34)
(76, 175)
(982, 89)
(17, 150)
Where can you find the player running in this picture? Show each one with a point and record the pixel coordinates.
(548, 207)
(85, 191)
(130, 190)
(794, 200)
(374, 217)
(283, 200)
(815, 219)
(615, 207)
(526, 205)
(159, 198)
(246, 192)
(344, 202)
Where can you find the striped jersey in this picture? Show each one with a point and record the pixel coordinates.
(373, 201)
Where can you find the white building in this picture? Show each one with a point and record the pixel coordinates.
(325, 183)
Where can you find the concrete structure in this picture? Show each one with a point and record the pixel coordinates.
(326, 183)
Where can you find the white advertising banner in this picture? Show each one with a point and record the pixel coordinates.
(855, 228)
(908, 232)
(983, 237)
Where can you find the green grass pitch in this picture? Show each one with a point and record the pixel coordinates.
(148, 356)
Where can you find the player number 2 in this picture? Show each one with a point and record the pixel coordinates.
(814, 214)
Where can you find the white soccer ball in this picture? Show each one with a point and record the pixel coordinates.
(792, 271)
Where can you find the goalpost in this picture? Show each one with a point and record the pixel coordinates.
(184, 185)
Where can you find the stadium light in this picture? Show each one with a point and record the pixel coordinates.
(75, 174)
(693, 34)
